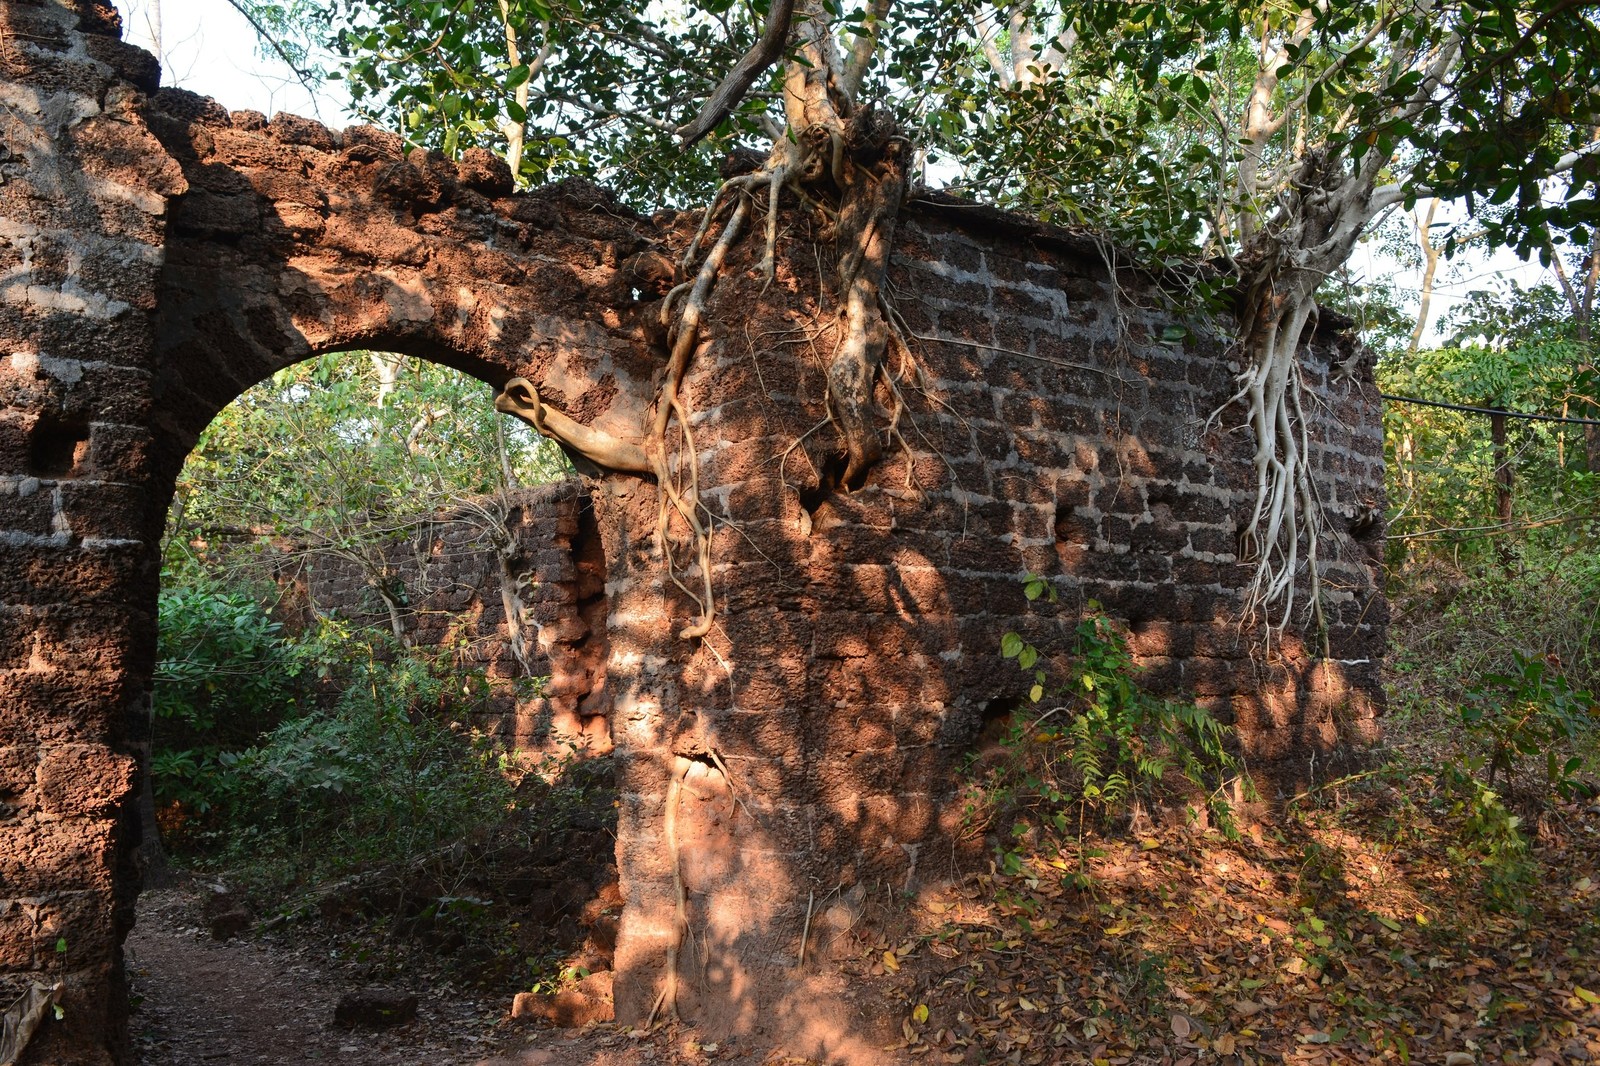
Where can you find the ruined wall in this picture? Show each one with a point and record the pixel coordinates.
(457, 584)
(161, 255)
(83, 199)
(813, 745)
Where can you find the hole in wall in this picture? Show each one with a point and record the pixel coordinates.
(996, 719)
(57, 449)
(830, 475)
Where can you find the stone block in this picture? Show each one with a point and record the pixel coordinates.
(84, 779)
(586, 1003)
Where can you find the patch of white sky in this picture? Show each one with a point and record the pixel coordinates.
(209, 47)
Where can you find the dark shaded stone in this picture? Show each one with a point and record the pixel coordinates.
(375, 1008)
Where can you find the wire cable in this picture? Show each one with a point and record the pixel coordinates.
(1490, 410)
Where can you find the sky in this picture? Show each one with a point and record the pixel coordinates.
(208, 47)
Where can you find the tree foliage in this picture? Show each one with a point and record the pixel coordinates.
(1268, 137)
(1514, 347)
(342, 454)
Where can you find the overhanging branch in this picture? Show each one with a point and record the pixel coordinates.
(731, 92)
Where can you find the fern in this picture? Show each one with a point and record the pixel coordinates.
(1118, 744)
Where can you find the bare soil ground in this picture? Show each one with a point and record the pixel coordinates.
(269, 1001)
(255, 1001)
(200, 1000)
(1354, 927)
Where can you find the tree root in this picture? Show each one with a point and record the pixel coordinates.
(1286, 504)
(519, 397)
(871, 183)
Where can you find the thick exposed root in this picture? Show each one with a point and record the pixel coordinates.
(865, 233)
(1286, 509)
(520, 398)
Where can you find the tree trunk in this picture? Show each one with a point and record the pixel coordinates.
(1502, 481)
(1430, 256)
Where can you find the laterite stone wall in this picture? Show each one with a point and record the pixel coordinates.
(84, 190)
(456, 583)
(160, 254)
(812, 747)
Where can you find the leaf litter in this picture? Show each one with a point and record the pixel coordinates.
(1341, 932)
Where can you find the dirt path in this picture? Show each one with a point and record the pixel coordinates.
(260, 1002)
(246, 1001)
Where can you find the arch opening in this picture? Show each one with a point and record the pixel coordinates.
(379, 708)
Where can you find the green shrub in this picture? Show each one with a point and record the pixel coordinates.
(379, 777)
(314, 753)
(1532, 715)
(224, 675)
(1452, 626)
(1491, 841)
(1097, 746)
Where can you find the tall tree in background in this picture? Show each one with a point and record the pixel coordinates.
(1267, 137)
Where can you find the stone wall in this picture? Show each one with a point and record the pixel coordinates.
(813, 744)
(161, 255)
(534, 554)
(84, 190)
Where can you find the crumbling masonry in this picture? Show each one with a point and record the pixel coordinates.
(159, 255)
(511, 584)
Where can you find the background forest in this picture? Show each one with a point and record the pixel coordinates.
(1269, 141)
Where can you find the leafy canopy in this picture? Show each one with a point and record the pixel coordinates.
(1169, 124)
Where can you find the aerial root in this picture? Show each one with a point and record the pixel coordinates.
(678, 495)
(1286, 505)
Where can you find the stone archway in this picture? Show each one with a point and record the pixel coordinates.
(162, 254)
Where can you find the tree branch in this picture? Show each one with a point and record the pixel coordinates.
(304, 77)
(991, 53)
(731, 92)
(863, 48)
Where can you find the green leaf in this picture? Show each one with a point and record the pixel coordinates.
(1010, 645)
